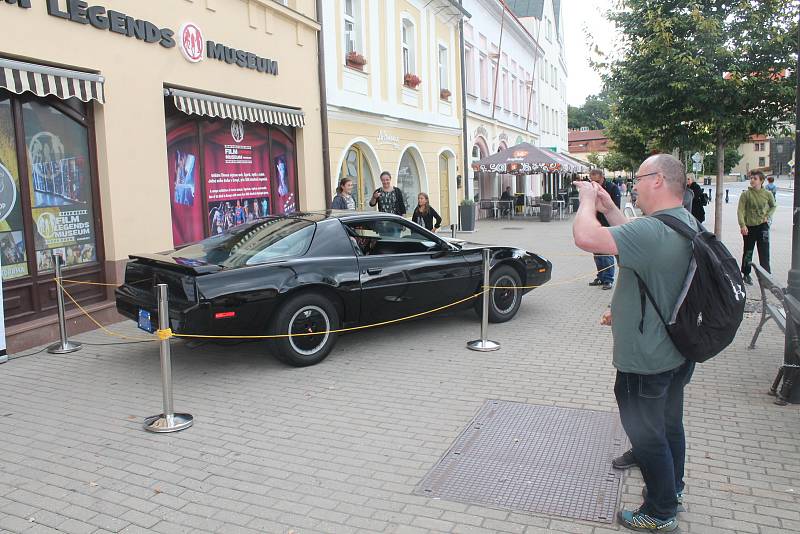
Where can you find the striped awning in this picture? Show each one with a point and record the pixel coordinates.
(20, 77)
(227, 108)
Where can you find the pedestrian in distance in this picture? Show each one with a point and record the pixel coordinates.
(604, 262)
(507, 196)
(756, 206)
(772, 187)
(699, 200)
(344, 196)
(388, 198)
(651, 371)
(424, 214)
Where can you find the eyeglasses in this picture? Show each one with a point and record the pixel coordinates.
(639, 177)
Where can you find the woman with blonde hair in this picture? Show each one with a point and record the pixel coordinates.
(424, 214)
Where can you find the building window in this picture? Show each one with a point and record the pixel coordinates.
(484, 77)
(546, 76)
(49, 203)
(762, 162)
(469, 70)
(505, 90)
(542, 69)
(515, 92)
(543, 115)
(779, 148)
(408, 178)
(356, 167)
(444, 64)
(409, 47)
(352, 26)
(549, 30)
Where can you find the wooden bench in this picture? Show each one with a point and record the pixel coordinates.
(789, 373)
(769, 310)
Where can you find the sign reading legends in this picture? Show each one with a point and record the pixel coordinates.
(189, 40)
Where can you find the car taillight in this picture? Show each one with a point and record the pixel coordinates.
(224, 315)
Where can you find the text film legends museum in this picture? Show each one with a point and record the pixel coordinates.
(138, 126)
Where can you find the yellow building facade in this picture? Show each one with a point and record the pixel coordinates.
(394, 104)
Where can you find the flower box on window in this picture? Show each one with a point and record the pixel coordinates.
(444, 94)
(411, 80)
(355, 60)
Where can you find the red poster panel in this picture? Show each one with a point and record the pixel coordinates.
(284, 181)
(183, 155)
(237, 173)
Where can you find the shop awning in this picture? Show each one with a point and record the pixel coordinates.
(227, 108)
(20, 77)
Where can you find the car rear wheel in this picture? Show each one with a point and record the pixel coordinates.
(505, 297)
(312, 315)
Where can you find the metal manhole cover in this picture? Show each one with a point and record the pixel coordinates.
(539, 459)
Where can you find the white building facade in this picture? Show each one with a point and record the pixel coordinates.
(502, 89)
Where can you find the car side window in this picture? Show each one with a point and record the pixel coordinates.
(388, 237)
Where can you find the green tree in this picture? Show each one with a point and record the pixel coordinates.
(592, 114)
(595, 159)
(699, 72)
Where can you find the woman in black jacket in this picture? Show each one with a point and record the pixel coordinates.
(698, 201)
(424, 214)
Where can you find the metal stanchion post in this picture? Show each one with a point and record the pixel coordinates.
(64, 346)
(167, 421)
(453, 231)
(483, 344)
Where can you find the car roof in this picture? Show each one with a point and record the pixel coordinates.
(319, 216)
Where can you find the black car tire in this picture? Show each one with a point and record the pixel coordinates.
(503, 303)
(303, 311)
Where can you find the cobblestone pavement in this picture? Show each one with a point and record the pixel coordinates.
(339, 447)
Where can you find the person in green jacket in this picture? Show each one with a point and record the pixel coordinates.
(756, 206)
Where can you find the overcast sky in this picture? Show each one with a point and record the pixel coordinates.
(580, 15)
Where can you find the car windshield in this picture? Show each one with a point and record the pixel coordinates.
(250, 244)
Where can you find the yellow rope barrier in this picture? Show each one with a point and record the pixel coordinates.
(167, 333)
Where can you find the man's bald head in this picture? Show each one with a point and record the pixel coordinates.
(671, 169)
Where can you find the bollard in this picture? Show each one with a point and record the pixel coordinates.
(483, 344)
(64, 346)
(726, 195)
(167, 421)
(453, 231)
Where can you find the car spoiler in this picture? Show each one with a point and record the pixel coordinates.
(176, 264)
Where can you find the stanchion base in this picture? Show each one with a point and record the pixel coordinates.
(66, 348)
(483, 345)
(172, 423)
(4, 358)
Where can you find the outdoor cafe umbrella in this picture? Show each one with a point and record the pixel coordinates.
(523, 158)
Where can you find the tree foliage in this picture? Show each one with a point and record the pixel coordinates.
(592, 114)
(732, 158)
(693, 73)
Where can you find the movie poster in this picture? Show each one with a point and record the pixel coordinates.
(183, 152)
(284, 182)
(236, 159)
(61, 195)
(12, 240)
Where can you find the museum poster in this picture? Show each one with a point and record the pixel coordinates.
(183, 163)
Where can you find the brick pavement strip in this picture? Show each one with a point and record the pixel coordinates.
(339, 447)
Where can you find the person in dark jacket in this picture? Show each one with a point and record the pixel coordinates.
(389, 199)
(344, 196)
(424, 214)
(700, 199)
(604, 262)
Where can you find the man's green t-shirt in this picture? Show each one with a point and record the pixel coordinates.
(661, 257)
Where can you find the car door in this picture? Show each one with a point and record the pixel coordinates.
(406, 270)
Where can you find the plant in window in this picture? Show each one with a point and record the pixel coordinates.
(444, 94)
(355, 60)
(411, 80)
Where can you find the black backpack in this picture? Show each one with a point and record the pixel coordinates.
(710, 306)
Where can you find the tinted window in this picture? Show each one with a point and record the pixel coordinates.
(251, 244)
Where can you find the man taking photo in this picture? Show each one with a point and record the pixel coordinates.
(604, 263)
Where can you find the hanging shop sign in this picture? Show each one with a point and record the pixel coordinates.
(190, 39)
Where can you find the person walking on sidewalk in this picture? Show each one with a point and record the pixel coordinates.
(651, 372)
(699, 199)
(756, 206)
(604, 263)
(389, 199)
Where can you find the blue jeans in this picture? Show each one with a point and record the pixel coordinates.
(602, 261)
(651, 410)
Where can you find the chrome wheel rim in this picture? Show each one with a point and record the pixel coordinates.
(504, 296)
(307, 320)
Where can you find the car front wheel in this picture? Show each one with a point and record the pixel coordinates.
(505, 297)
(310, 317)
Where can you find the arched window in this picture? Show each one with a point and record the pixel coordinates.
(408, 179)
(356, 167)
(409, 47)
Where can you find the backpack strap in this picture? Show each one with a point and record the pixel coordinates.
(644, 293)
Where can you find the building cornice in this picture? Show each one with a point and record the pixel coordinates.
(290, 14)
(376, 119)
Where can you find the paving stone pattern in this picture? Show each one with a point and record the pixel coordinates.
(339, 447)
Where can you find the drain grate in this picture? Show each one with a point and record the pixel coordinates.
(540, 459)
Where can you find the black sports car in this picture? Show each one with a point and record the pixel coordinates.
(316, 272)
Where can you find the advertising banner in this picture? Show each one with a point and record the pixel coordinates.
(236, 167)
(12, 241)
(3, 355)
(183, 152)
